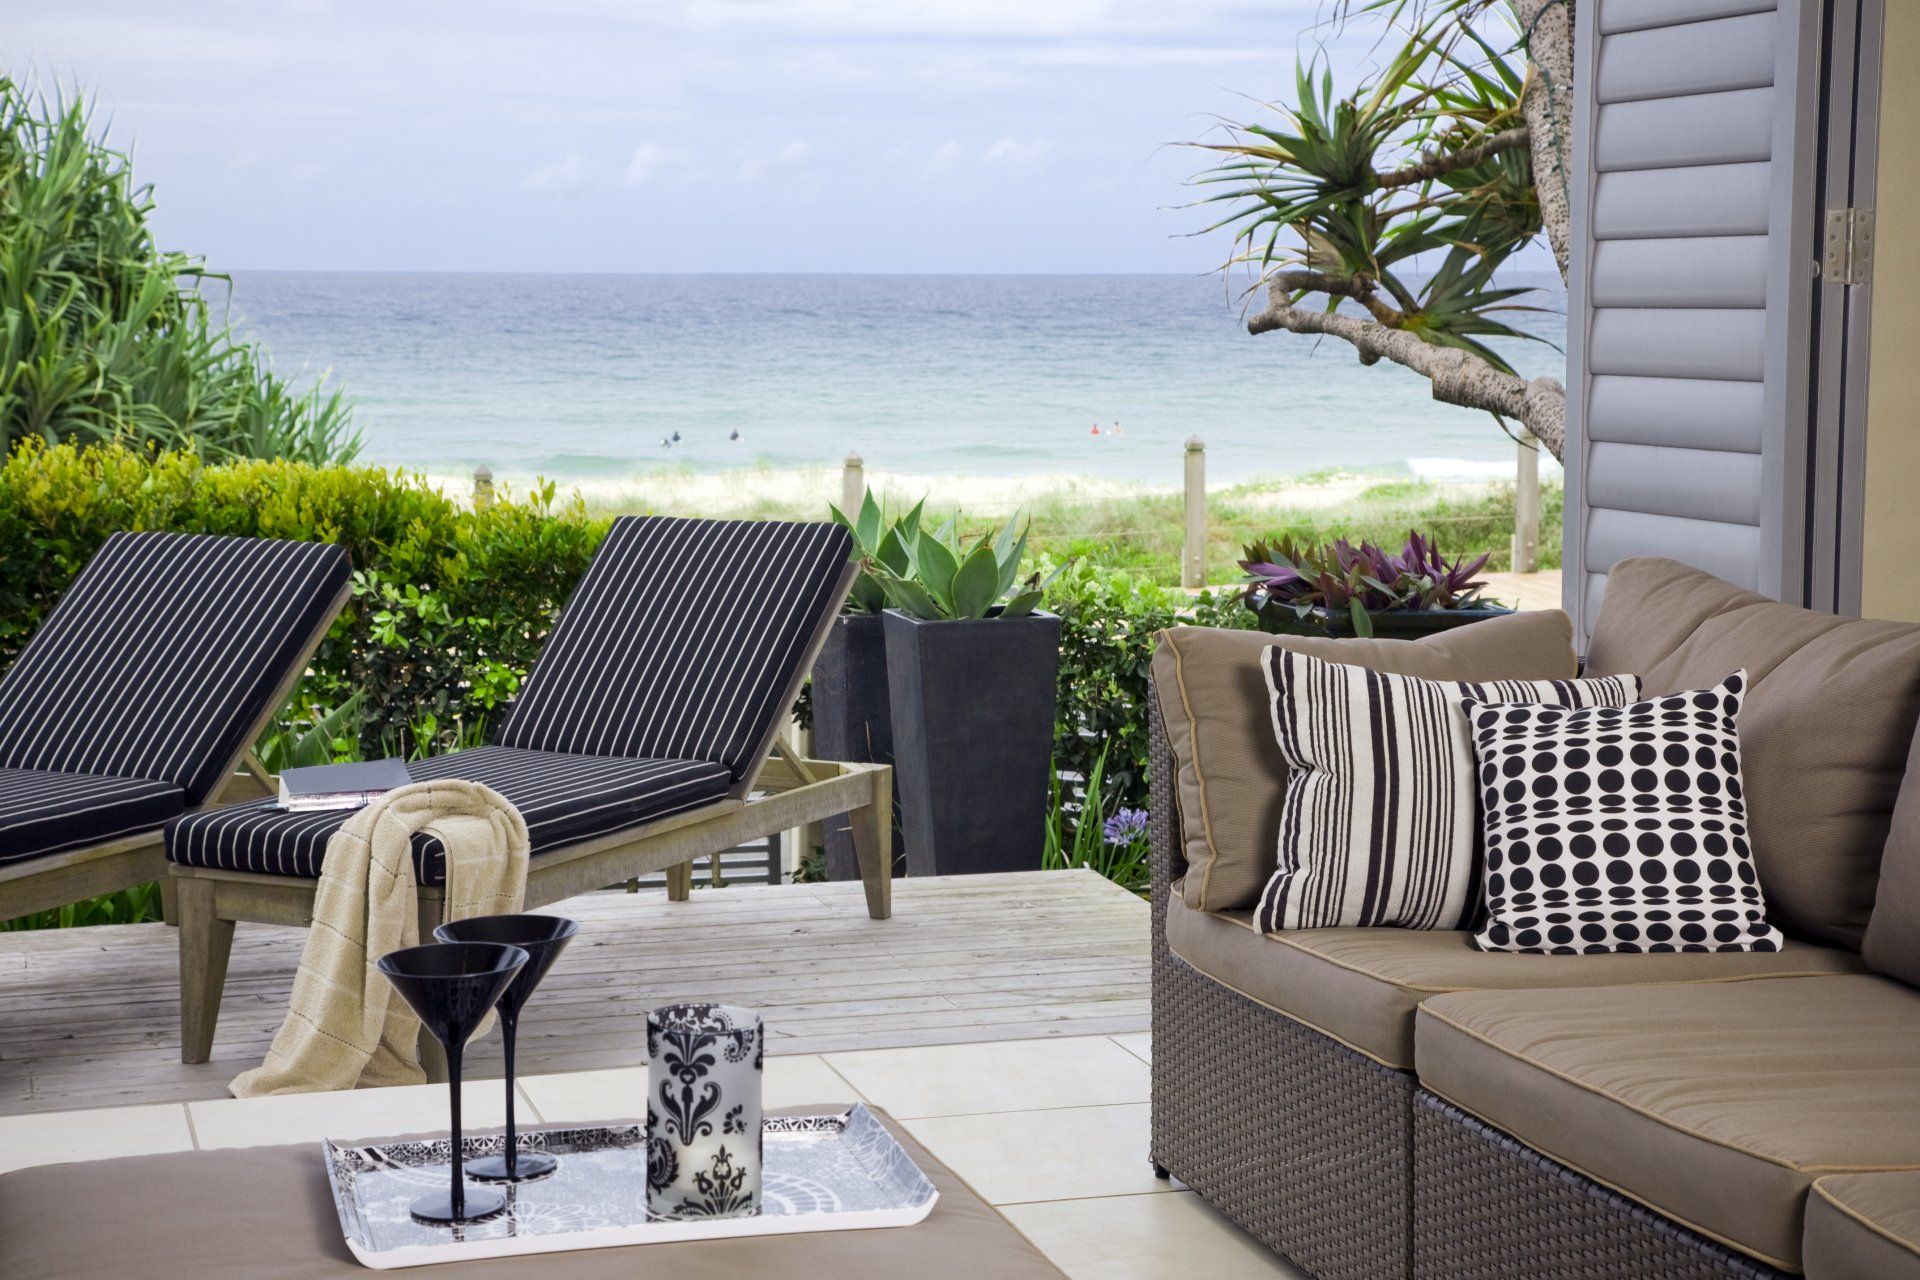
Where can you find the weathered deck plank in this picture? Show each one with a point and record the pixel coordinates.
(88, 1017)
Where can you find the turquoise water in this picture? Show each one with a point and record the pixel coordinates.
(590, 376)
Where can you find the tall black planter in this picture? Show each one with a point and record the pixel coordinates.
(851, 720)
(973, 707)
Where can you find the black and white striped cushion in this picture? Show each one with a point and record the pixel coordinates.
(1379, 825)
(682, 640)
(43, 812)
(164, 654)
(564, 799)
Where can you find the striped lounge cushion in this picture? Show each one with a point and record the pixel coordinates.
(564, 798)
(1380, 825)
(43, 812)
(683, 641)
(164, 654)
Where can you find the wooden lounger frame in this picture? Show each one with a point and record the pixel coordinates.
(791, 792)
(125, 862)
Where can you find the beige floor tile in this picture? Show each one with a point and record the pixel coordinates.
(1011, 1156)
(62, 1137)
(581, 1097)
(1140, 1046)
(1145, 1238)
(1009, 1075)
(349, 1115)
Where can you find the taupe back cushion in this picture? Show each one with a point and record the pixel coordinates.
(1232, 780)
(1824, 731)
(1893, 935)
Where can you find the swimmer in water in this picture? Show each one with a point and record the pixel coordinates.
(1096, 428)
(734, 434)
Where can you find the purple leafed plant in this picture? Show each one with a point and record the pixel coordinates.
(1358, 581)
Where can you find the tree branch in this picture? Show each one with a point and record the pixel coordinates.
(1359, 288)
(1458, 377)
(1547, 103)
(1436, 161)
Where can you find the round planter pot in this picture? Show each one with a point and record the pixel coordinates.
(973, 708)
(1391, 624)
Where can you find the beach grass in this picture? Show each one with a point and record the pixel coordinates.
(1141, 529)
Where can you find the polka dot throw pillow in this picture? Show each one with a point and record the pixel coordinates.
(1618, 828)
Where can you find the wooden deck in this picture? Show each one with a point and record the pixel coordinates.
(89, 1017)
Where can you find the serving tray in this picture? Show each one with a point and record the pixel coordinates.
(836, 1172)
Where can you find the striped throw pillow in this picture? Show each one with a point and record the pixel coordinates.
(1380, 824)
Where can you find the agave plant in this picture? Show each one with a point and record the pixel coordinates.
(881, 541)
(1338, 577)
(943, 578)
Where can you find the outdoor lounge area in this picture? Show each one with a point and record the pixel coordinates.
(447, 832)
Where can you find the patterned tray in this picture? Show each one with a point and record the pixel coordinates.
(822, 1173)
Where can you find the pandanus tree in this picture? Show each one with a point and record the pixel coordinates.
(105, 335)
(1382, 216)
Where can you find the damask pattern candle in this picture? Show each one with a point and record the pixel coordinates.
(704, 1064)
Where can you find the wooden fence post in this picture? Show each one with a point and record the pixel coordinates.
(482, 488)
(853, 486)
(1193, 559)
(1526, 507)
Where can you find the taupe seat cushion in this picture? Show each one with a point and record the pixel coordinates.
(1714, 1105)
(1231, 779)
(1863, 1224)
(1824, 729)
(1362, 986)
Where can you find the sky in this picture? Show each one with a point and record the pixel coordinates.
(674, 135)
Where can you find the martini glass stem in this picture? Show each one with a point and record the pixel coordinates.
(509, 1024)
(453, 1095)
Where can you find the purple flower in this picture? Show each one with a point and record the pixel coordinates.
(1126, 826)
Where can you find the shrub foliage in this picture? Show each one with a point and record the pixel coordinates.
(106, 336)
(449, 606)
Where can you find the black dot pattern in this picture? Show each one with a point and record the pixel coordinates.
(1618, 828)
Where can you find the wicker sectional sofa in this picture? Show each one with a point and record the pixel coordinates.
(1380, 1103)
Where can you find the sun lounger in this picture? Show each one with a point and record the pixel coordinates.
(639, 743)
(139, 697)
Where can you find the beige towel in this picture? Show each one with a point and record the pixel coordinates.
(346, 1026)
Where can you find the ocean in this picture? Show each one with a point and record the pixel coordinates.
(605, 377)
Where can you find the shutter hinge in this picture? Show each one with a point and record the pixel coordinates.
(1848, 253)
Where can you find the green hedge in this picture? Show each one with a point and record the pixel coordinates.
(1108, 618)
(449, 606)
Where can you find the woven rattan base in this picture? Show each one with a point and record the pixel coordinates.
(1489, 1208)
(1305, 1143)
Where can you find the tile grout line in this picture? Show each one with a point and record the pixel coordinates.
(1111, 1195)
(1020, 1111)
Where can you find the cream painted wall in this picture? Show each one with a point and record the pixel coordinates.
(1890, 569)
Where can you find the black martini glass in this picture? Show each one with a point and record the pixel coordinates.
(451, 985)
(543, 938)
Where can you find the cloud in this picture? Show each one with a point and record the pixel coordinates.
(567, 174)
(756, 163)
(646, 162)
(945, 159)
(1012, 153)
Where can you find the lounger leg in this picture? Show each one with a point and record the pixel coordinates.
(872, 830)
(205, 943)
(680, 882)
(169, 901)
